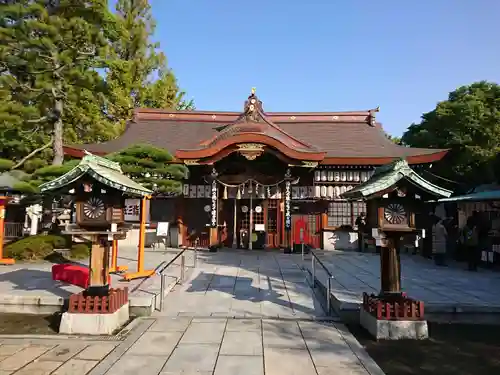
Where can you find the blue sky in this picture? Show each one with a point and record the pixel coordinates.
(330, 55)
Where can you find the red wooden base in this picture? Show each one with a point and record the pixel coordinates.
(79, 303)
(393, 308)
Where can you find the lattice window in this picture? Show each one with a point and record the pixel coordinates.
(344, 213)
(258, 218)
(357, 209)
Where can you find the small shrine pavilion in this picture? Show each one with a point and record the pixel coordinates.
(265, 179)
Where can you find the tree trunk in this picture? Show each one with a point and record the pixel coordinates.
(57, 146)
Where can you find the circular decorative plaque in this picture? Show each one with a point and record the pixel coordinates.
(244, 209)
(93, 208)
(258, 209)
(395, 213)
(207, 208)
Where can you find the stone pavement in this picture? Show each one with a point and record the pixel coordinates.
(25, 282)
(441, 288)
(239, 313)
(240, 284)
(201, 346)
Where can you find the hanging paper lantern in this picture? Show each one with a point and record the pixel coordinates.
(317, 191)
(330, 191)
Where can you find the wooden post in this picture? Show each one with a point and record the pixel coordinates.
(140, 251)
(99, 266)
(142, 237)
(115, 268)
(390, 268)
(3, 204)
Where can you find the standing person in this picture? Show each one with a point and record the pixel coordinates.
(361, 224)
(439, 241)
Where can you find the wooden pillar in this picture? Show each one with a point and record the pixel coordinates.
(390, 268)
(141, 272)
(3, 204)
(99, 266)
(142, 236)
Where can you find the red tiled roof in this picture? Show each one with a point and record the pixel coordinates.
(343, 137)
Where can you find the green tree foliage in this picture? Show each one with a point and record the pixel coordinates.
(396, 140)
(73, 71)
(468, 123)
(50, 52)
(151, 167)
(138, 75)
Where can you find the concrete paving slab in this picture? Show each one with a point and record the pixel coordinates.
(241, 365)
(39, 368)
(23, 357)
(280, 361)
(203, 333)
(242, 343)
(63, 352)
(130, 364)
(192, 357)
(243, 325)
(155, 343)
(95, 352)
(167, 324)
(75, 367)
(10, 349)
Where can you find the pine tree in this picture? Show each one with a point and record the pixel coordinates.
(136, 64)
(151, 166)
(51, 51)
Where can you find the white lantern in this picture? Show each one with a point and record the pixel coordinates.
(336, 192)
(317, 191)
(330, 191)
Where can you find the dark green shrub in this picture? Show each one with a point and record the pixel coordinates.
(35, 247)
(80, 251)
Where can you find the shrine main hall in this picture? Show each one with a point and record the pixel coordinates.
(264, 180)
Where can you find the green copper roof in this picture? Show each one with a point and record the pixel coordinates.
(490, 195)
(389, 175)
(105, 171)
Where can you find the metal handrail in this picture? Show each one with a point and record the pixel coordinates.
(314, 259)
(165, 264)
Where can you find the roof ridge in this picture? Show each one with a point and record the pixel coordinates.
(253, 112)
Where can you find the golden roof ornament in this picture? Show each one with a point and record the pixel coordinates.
(253, 107)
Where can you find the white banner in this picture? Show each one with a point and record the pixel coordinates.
(133, 209)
